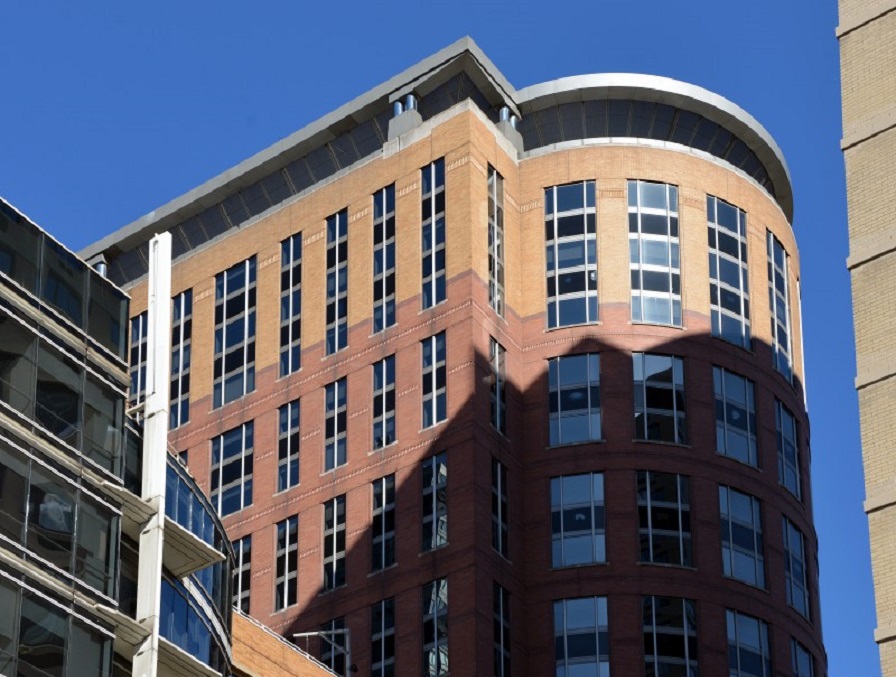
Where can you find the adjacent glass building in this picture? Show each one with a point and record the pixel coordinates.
(518, 380)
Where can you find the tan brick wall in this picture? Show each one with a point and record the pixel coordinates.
(867, 62)
(878, 432)
(261, 653)
(870, 168)
(873, 304)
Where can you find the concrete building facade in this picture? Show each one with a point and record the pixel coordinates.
(868, 80)
(502, 381)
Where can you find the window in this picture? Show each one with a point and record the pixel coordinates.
(659, 398)
(435, 628)
(137, 392)
(735, 416)
(435, 502)
(334, 543)
(748, 648)
(287, 576)
(795, 568)
(581, 636)
(577, 520)
(574, 392)
(654, 253)
(337, 281)
(335, 425)
(291, 304)
(803, 663)
(382, 639)
(434, 380)
(242, 573)
(779, 305)
(383, 532)
(496, 241)
(742, 552)
(729, 293)
(788, 449)
(501, 601)
(234, 365)
(664, 516)
(232, 459)
(433, 239)
(499, 507)
(670, 636)
(384, 402)
(571, 253)
(332, 645)
(384, 258)
(288, 446)
(498, 386)
(181, 349)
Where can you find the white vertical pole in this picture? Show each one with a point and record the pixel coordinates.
(155, 453)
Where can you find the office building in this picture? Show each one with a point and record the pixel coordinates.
(501, 381)
(867, 33)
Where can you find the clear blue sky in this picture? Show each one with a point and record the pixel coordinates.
(113, 108)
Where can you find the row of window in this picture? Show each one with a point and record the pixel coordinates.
(574, 416)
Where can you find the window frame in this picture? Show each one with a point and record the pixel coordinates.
(571, 511)
(288, 445)
(286, 551)
(335, 424)
(382, 512)
(246, 457)
(334, 543)
(433, 237)
(679, 399)
(291, 304)
(728, 497)
(181, 358)
(384, 244)
(337, 292)
(718, 287)
(434, 354)
(225, 319)
(383, 403)
(557, 387)
(648, 502)
(435, 502)
(496, 297)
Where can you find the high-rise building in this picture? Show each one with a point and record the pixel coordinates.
(502, 381)
(867, 35)
(101, 572)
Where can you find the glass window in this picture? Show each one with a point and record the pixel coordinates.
(59, 390)
(571, 253)
(9, 602)
(18, 366)
(577, 520)
(384, 258)
(435, 628)
(89, 652)
(332, 645)
(337, 281)
(242, 572)
(735, 416)
(287, 563)
(664, 516)
(64, 282)
(382, 639)
(181, 350)
(335, 425)
(788, 449)
(801, 659)
(654, 253)
(659, 398)
(496, 241)
(103, 423)
(107, 314)
(13, 493)
(234, 363)
(728, 275)
(498, 386)
(748, 649)
(291, 304)
(384, 402)
(501, 602)
(137, 363)
(742, 550)
(383, 531)
(334, 543)
(96, 548)
(433, 237)
(796, 578)
(499, 508)
(582, 637)
(232, 461)
(43, 635)
(20, 244)
(51, 518)
(779, 305)
(434, 380)
(288, 446)
(574, 394)
(670, 636)
(435, 502)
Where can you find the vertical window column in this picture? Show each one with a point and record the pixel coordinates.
(337, 281)
(383, 523)
(499, 508)
(582, 637)
(571, 254)
(435, 502)
(742, 550)
(434, 386)
(435, 628)
(382, 639)
(384, 258)
(137, 362)
(291, 304)
(433, 237)
(795, 568)
(664, 515)
(788, 449)
(384, 402)
(332, 645)
(334, 543)
(654, 253)
(335, 425)
(242, 573)
(574, 394)
(181, 348)
(729, 293)
(234, 362)
(749, 654)
(670, 636)
(802, 662)
(779, 306)
(232, 461)
(501, 602)
(287, 563)
(496, 241)
(288, 446)
(735, 416)
(659, 398)
(498, 386)
(577, 520)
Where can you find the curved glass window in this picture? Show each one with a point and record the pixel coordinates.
(779, 305)
(571, 253)
(581, 636)
(654, 253)
(742, 549)
(184, 623)
(574, 394)
(659, 398)
(577, 519)
(735, 416)
(187, 505)
(664, 516)
(729, 292)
